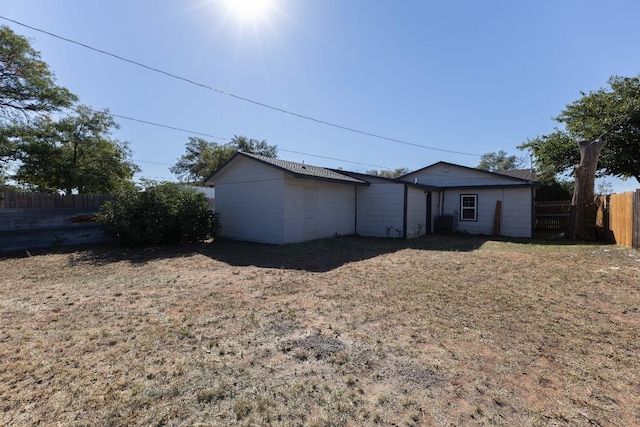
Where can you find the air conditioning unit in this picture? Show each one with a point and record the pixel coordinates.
(446, 224)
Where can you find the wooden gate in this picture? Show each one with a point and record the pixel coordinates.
(618, 219)
(552, 215)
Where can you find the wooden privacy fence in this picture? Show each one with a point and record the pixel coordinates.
(22, 229)
(34, 220)
(18, 200)
(618, 219)
(552, 215)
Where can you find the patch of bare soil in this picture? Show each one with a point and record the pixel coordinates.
(340, 332)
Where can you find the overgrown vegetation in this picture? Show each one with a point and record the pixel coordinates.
(160, 213)
(342, 332)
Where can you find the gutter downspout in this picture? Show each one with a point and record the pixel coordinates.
(404, 217)
(355, 220)
(428, 219)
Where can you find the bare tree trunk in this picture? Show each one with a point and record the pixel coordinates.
(582, 224)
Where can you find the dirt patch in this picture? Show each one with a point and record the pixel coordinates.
(316, 346)
(340, 332)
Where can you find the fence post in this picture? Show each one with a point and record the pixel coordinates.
(635, 222)
(2, 200)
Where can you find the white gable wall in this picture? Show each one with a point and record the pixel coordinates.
(380, 210)
(517, 203)
(445, 175)
(249, 199)
(317, 209)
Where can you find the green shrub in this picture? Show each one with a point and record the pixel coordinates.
(160, 213)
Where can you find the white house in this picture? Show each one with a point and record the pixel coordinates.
(270, 200)
(480, 202)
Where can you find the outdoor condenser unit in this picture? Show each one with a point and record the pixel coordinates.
(446, 224)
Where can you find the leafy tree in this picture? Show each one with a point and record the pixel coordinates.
(499, 161)
(253, 146)
(204, 157)
(612, 115)
(601, 136)
(73, 154)
(201, 160)
(389, 173)
(27, 89)
(160, 213)
(27, 86)
(553, 189)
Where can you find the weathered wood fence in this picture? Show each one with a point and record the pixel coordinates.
(24, 229)
(618, 219)
(552, 215)
(19, 200)
(33, 220)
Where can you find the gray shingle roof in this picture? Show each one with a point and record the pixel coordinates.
(304, 170)
(526, 174)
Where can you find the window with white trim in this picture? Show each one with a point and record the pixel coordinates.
(468, 207)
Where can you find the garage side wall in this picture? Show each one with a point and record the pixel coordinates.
(380, 210)
(249, 200)
(316, 209)
(416, 212)
(517, 213)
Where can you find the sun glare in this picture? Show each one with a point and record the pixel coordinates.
(249, 9)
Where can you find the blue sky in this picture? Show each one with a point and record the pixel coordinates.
(463, 76)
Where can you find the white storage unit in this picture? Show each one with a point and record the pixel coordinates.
(269, 200)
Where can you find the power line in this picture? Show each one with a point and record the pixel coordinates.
(238, 97)
(228, 139)
(333, 158)
(166, 126)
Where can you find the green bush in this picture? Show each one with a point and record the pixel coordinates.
(160, 213)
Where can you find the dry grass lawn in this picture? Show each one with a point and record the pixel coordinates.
(340, 332)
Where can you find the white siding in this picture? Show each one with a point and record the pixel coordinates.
(380, 210)
(249, 199)
(316, 209)
(416, 212)
(445, 175)
(517, 212)
(516, 219)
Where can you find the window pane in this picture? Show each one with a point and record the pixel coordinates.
(469, 214)
(468, 207)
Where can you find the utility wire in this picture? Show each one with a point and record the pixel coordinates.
(241, 98)
(165, 126)
(228, 139)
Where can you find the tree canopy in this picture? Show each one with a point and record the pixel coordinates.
(51, 147)
(499, 161)
(73, 154)
(204, 157)
(611, 114)
(389, 173)
(27, 85)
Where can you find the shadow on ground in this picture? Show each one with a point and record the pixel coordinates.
(328, 254)
(314, 256)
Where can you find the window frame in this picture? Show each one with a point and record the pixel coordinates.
(463, 208)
